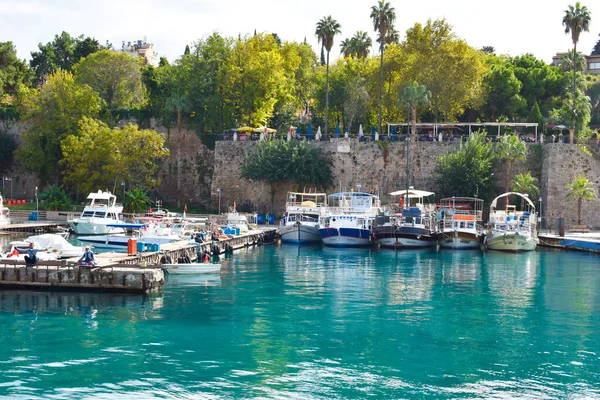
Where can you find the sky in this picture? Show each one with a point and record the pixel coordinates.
(510, 26)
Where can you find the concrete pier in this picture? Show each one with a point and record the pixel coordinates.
(61, 275)
(589, 242)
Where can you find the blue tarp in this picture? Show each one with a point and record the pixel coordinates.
(337, 130)
(372, 132)
(309, 132)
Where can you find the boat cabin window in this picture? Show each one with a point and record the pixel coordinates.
(100, 214)
(470, 225)
(408, 220)
(98, 202)
(87, 214)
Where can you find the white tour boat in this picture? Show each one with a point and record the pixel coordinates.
(411, 228)
(509, 229)
(101, 216)
(460, 223)
(349, 218)
(301, 221)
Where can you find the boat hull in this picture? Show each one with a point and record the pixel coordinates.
(120, 241)
(405, 238)
(459, 240)
(192, 268)
(511, 242)
(94, 228)
(298, 233)
(346, 237)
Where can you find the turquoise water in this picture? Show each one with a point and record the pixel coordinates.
(294, 322)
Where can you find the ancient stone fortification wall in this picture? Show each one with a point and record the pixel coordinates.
(562, 163)
(364, 164)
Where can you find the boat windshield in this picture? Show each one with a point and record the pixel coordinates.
(97, 202)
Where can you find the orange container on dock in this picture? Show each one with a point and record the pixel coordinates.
(132, 247)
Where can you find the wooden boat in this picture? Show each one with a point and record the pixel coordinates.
(460, 223)
(509, 229)
(192, 268)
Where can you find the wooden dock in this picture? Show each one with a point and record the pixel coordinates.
(31, 227)
(63, 275)
(118, 272)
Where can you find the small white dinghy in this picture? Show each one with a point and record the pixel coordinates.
(192, 268)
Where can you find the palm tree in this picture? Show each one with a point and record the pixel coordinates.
(346, 47)
(510, 148)
(383, 16)
(581, 189)
(136, 200)
(362, 44)
(566, 61)
(178, 102)
(576, 20)
(414, 95)
(525, 184)
(327, 28)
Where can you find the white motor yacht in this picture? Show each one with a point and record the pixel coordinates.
(509, 229)
(100, 211)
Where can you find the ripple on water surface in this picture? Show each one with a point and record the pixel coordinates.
(305, 322)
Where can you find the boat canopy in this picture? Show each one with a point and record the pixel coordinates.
(495, 201)
(412, 193)
(100, 195)
(352, 194)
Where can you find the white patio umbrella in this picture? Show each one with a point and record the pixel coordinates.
(318, 136)
(360, 131)
(289, 135)
(376, 135)
(235, 136)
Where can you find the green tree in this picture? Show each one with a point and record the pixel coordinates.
(8, 145)
(100, 156)
(576, 20)
(467, 171)
(525, 184)
(60, 55)
(55, 198)
(278, 162)
(383, 16)
(502, 93)
(535, 116)
(414, 95)
(581, 189)
(115, 76)
(452, 70)
(574, 112)
(569, 62)
(596, 49)
(510, 149)
(13, 72)
(326, 30)
(136, 201)
(358, 45)
(52, 114)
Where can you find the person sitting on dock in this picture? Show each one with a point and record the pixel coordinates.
(31, 256)
(87, 258)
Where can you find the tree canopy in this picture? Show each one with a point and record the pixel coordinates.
(115, 76)
(53, 113)
(467, 171)
(100, 156)
(14, 73)
(277, 161)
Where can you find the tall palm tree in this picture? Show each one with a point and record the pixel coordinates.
(346, 47)
(362, 44)
(383, 16)
(414, 95)
(525, 184)
(178, 102)
(327, 28)
(510, 149)
(576, 20)
(566, 61)
(581, 189)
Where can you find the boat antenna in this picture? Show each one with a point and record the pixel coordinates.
(407, 153)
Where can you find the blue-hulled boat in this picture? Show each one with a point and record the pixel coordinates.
(349, 219)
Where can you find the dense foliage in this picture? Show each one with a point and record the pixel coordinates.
(467, 171)
(55, 198)
(278, 162)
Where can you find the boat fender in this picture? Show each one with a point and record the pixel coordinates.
(165, 259)
(216, 250)
(228, 248)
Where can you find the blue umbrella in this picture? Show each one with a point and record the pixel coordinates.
(309, 132)
(337, 130)
(298, 133)
(347, 133)
(393, 131)
(372, 132)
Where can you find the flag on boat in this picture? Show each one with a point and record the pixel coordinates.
(185, 207)
(234, 207)
(150, 210)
